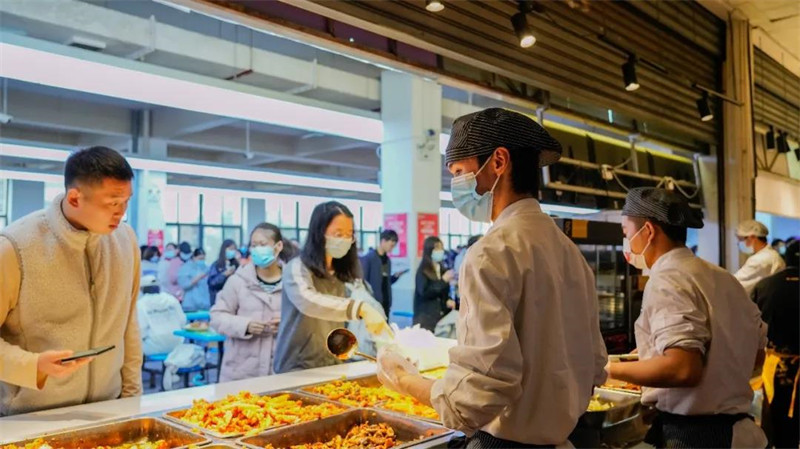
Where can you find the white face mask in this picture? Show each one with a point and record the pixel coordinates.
(467, 200)
(337, 247)
(637, 260)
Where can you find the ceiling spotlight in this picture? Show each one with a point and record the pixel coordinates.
(771, 138)
(782, 142)
(434, 5)
(523, 30)
(629, 74)
(704, 108)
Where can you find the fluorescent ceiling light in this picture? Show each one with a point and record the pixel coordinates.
(207, 170)
(39, 62)
(31, 176)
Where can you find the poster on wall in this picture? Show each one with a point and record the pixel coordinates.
(155, 237)
(427, 226)
(399, 224)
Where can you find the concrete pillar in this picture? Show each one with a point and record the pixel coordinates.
(739, 150)
(26, 197)
(411, 169)
(147, 209)
(709, 237)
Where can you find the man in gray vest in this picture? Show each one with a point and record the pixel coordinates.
(70, 279)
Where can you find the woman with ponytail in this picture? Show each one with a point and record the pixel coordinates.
(248, 308)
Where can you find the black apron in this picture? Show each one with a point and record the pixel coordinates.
(670, 431)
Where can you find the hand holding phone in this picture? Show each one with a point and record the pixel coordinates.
(91, 353)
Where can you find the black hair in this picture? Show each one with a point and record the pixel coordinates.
(389, 235)
(199, 252)
(426, 264)
(473, 240)
(776, 241)
(793, 254)
(149, 252)
(174, 245)
(185, 247)
(524, 170)
(677, 234)
(346, 269)
(142, 249)
(151, 290)
(93, 165)
(221, 259)
(762, 239)
(288, 252)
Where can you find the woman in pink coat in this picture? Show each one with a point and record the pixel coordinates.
(248, 308)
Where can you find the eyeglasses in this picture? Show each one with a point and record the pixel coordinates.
(340, 235)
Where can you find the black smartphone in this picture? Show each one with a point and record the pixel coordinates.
(90, 353)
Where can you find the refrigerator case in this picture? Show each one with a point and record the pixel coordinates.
(601, 246)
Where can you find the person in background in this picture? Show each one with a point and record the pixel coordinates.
(377, 268)
(160, 314)
(69, 279)
(169, 283)
(248, 309)
(170, 253)
(191, 279)
(432, 293)
(529, 344)
(150, 259)
(314, 300)
(778, 298)
(222, 269)
(698, 336)
(763, 261)
(460, 258)
(780, 246)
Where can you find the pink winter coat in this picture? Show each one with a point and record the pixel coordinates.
(241, 301)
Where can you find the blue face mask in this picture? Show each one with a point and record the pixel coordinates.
(472, 205)
(186, 256)
(230, 254)
(782, 250)
(262, 256)
(745, 249)
(169, 254)
(154, 259)
(437, 255)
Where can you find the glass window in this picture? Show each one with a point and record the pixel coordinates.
(212, 240)
(370, 240)
(371, 216)
(288, 214)
(51, 191)
(189, 233)
(291, 233)
(188, 207)
(306, 207)
(302, 239)
(171, 234)
(235, 234)
(212, 209)
(232, 210)
(170, 206)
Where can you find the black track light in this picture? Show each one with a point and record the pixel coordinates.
(771, 138)
(797, 153)
(523, 30)
(629, 74)
(704, 108)
(434, 5)
(782, 142)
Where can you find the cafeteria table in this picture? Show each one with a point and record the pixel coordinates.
(203, 338)
(200, 315)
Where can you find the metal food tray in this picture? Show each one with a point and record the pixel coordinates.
(121, 432)
(409, 430)
(370, 380)
(627, 406)
(174, 415)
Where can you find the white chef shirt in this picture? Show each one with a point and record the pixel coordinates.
(758, 266)
(690, 303)
(529, 344)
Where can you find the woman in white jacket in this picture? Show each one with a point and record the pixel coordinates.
(248, 308)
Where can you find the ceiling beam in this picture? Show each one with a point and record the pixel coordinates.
(171, 123)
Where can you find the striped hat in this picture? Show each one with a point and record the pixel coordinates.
(662, 206)
(480, 133)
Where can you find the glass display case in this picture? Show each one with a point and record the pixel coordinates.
(601, 245)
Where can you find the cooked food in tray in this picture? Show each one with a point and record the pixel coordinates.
(598, 404)
(358, 395)
(622, 386)
(144, 444)
(366, 436)
(247, 412)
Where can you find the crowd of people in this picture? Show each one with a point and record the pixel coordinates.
(529, 346)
